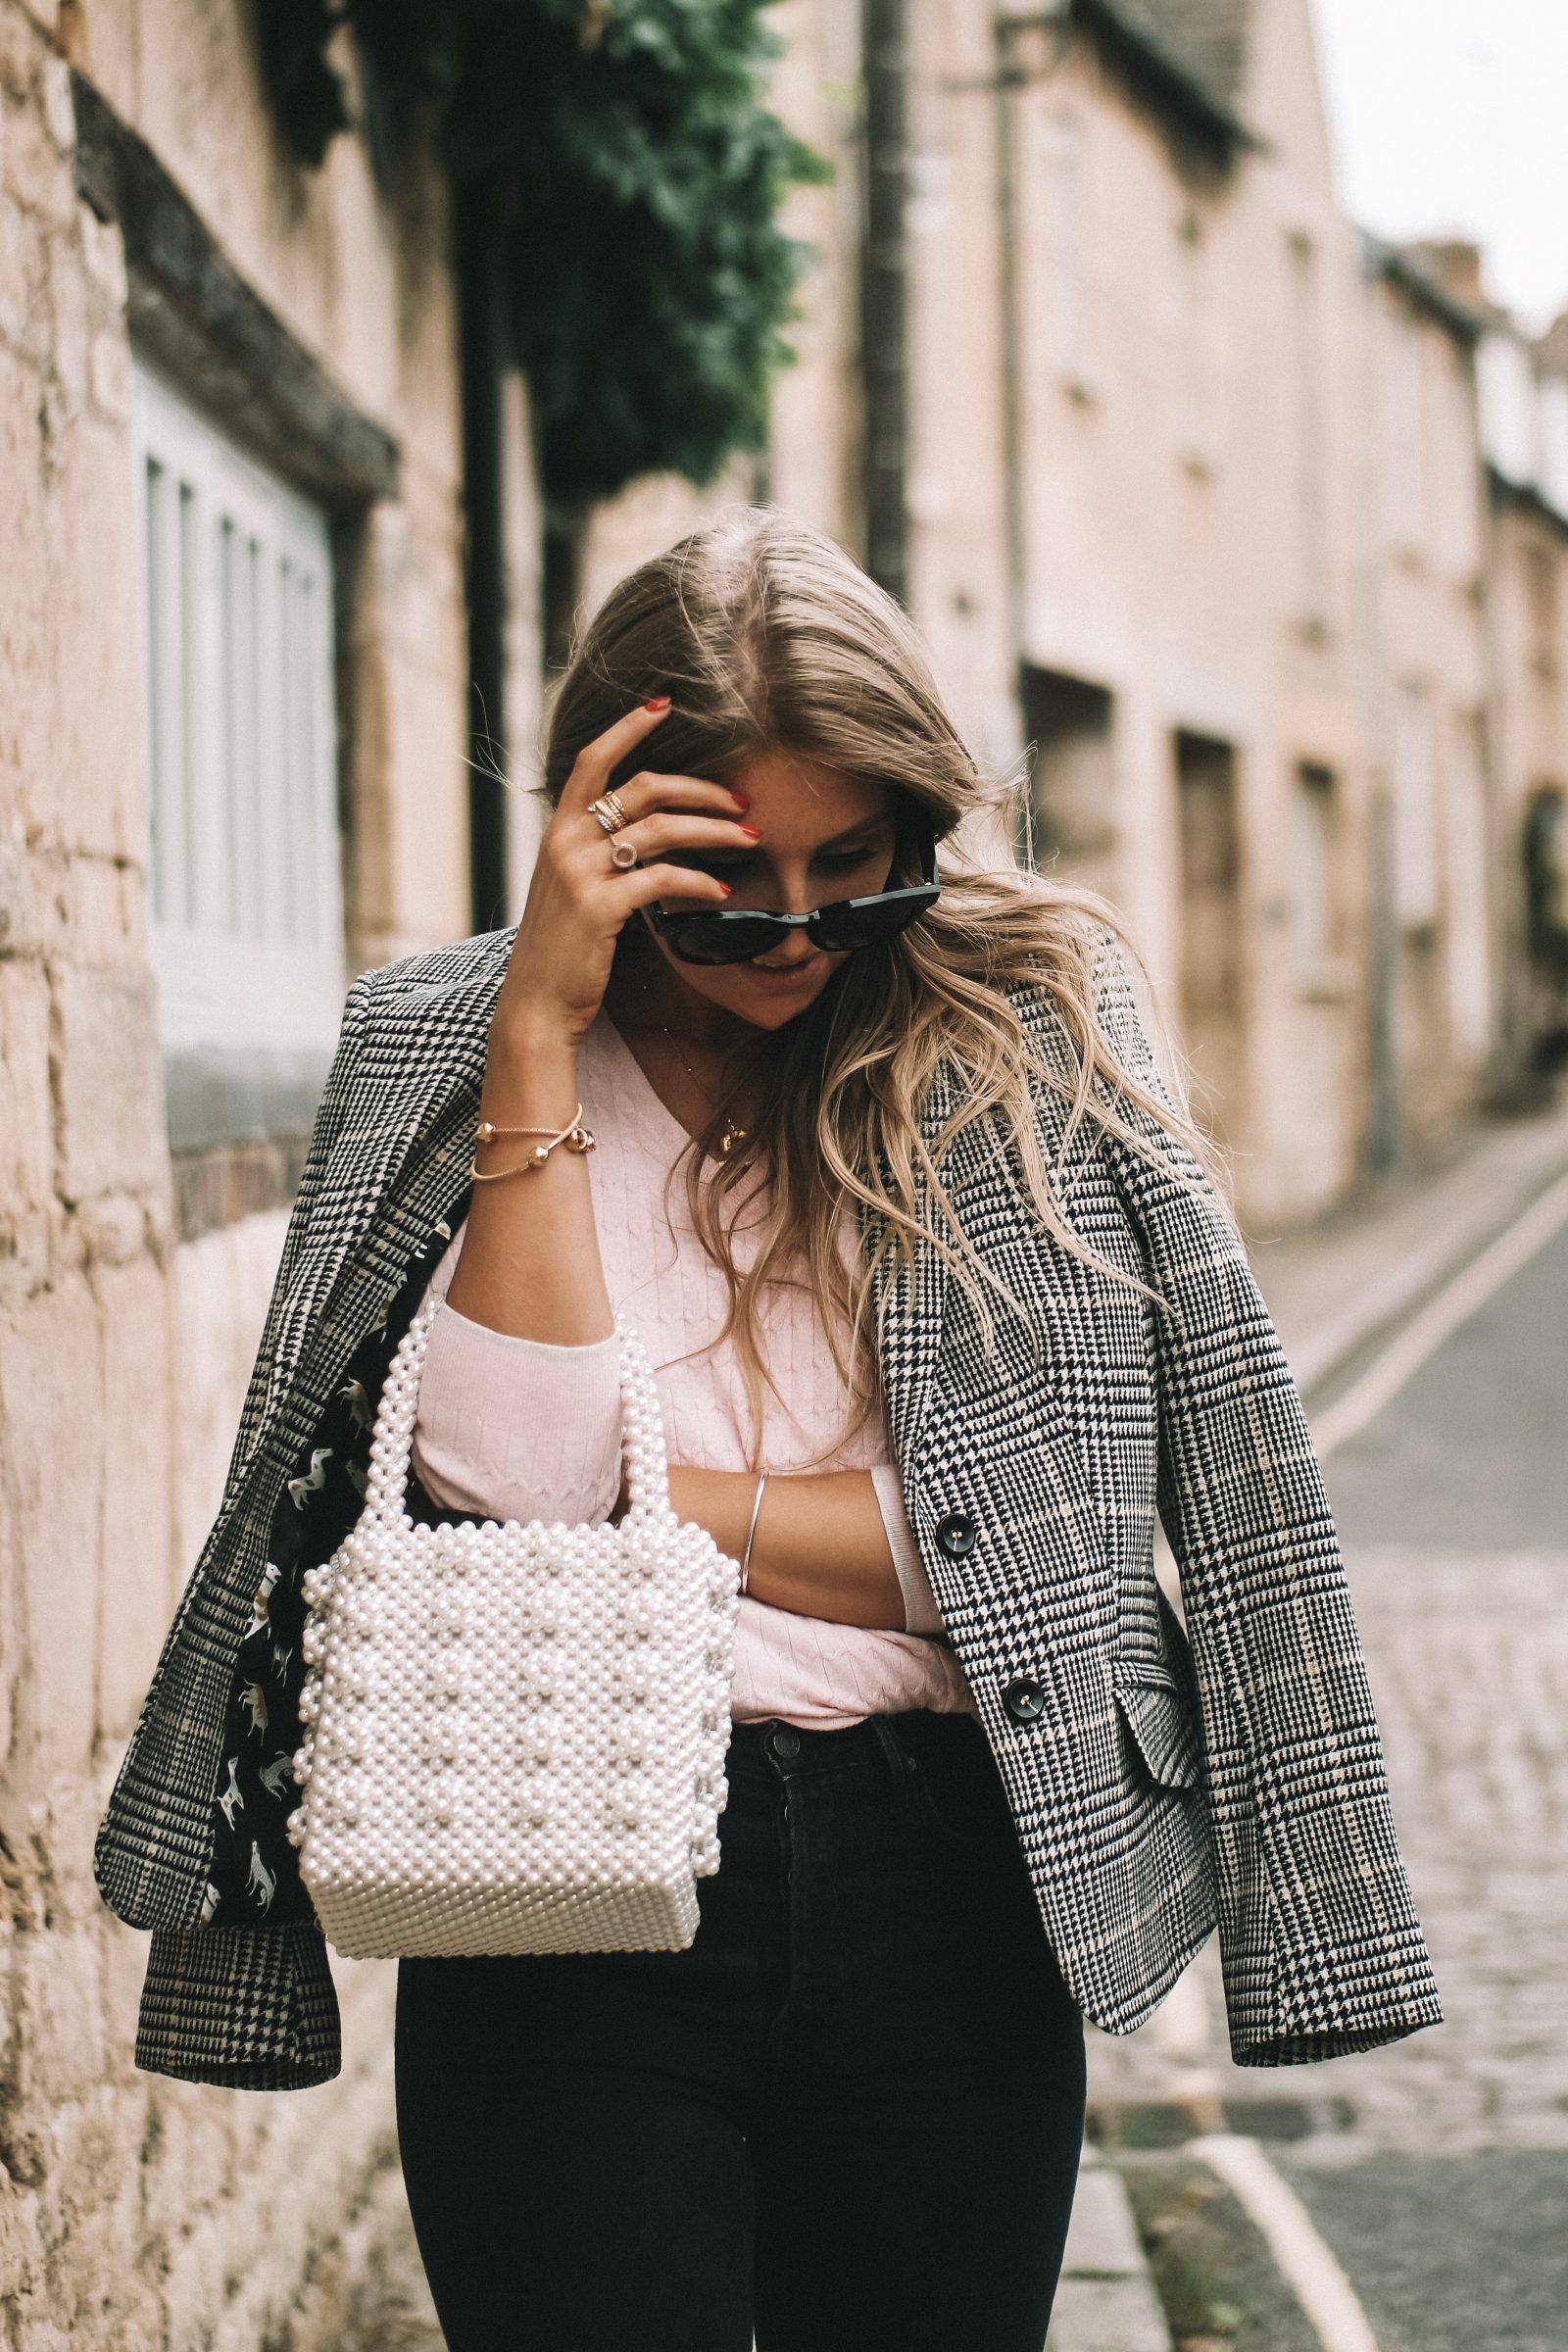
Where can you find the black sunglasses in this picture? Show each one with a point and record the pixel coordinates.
(735, 934)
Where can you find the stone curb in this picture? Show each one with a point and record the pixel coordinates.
(1106, 2300)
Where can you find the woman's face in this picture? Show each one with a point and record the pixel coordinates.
(824, 837)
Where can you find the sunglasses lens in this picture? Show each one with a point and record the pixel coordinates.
(717, 939)
(842, 930)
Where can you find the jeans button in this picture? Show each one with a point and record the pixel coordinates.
(1024, 1699)
(784, 1741)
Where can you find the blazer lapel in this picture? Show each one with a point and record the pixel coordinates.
(911, 1303)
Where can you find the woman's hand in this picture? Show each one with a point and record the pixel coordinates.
(579, 901)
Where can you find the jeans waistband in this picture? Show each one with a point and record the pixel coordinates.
(773, 1749)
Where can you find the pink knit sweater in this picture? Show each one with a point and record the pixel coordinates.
(512, 1428)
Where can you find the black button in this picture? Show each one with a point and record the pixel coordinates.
(786, 1742)
(957, 1534)
(1024, 1699)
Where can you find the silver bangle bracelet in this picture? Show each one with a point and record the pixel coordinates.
(750, 1532)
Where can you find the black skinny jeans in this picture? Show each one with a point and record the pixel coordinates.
(847, 2116)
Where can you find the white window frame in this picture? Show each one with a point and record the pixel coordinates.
(237, 623)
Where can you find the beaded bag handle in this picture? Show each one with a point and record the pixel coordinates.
(392, 1438)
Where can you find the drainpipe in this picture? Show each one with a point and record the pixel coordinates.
(1009, 77)
(483, 355)
(1385, 1122)
(884, 275)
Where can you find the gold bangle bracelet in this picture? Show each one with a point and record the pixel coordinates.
(751, 1532)
(576, 1138)
(487, 1131)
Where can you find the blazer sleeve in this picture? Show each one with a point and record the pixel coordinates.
(330, 1114)
(1320, 1947)
(153, 1839)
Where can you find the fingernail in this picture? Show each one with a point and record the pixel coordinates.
(725, 888)
(741, 799)
(753, 832)
(658, 702)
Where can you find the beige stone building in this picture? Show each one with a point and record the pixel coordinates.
(1430, 953)
(1197, 521)
(1138, 489)
(1525, 424)
(232, 773)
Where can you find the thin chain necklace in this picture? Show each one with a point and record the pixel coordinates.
(732, 1136)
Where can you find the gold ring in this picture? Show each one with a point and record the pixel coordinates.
(610, 812)
(617, 807)
(623, 856)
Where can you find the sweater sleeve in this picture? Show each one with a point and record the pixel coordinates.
(508, 1427)
(920, 1612)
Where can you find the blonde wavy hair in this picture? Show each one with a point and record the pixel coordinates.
(770, 638)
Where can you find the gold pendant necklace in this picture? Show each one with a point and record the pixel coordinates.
(732, 1135)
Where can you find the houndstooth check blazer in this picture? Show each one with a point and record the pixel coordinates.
(1161, 1781)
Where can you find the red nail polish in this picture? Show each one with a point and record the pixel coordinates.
(658, 702)
(741, 799)
(753, 832)
(725, 888)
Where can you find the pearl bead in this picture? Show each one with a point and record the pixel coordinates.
(516, 1761)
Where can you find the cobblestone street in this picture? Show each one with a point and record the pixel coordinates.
(1438, 2168)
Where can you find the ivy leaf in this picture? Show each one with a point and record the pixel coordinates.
(641, 176)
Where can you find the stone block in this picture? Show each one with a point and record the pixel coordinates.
(27, 1106)
(34, 171)
(1102, 2241)
(109, 376)
(103, 249)
(137, 1488)
(108, 1077)
(59, 114)
(24, 284)
(113, 1227)
(50, 1405)
(68, 302)
(96, 745)
(21, 54)
(57, 1985)
(11, 1646)
(98, 913)
(1108, 2315)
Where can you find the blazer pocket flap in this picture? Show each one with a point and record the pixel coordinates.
(1164, 1729)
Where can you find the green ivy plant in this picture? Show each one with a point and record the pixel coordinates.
(641, 176)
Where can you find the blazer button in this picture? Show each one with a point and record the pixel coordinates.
(1024, 1699)
(957, 1534)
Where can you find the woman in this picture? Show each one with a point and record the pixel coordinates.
(944, 1309)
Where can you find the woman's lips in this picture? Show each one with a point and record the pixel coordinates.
(782, 976)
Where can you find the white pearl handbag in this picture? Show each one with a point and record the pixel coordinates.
(514, 1736)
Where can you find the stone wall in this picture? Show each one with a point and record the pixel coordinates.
(134, 2210)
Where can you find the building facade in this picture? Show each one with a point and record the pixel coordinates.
(231, 775)
(1201, 527)
(1524, 403)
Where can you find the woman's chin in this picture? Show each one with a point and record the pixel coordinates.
(768, 998)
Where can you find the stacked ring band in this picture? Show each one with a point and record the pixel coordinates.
(609, 812)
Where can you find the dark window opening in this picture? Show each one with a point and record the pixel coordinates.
(1072, 823)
